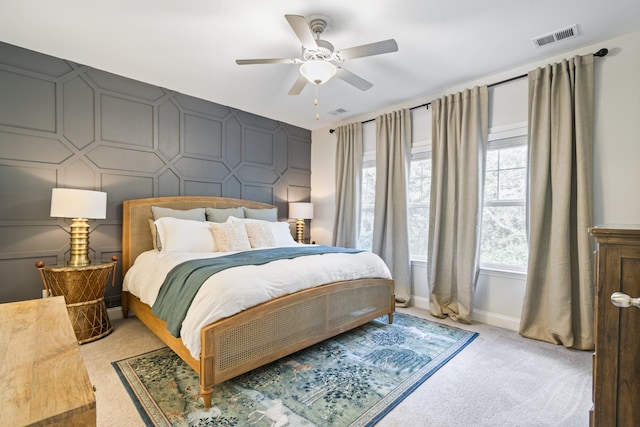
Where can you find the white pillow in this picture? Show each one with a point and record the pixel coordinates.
(280, 230)
(230, 236)
(260, 235)
(185, 235)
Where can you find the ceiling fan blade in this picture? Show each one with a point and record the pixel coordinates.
(301, 28)
(266, 61)
(298, 86)
(377, 48)
(353, 79)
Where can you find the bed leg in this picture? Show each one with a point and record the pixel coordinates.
(390, 317)
(206, 397)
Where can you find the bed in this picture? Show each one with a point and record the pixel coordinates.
(259, 334)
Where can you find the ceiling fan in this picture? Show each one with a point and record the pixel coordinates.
(318, 56)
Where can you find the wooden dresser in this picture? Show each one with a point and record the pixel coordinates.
(616, 362)
(44, 380)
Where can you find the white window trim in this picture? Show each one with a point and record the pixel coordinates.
(499, 138)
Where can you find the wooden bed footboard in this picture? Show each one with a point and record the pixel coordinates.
(272, 330)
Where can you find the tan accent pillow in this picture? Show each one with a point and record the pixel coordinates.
(230, 236)
(260, 234)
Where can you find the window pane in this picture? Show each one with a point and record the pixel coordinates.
(418, 231)
(491, 185)
(513, 157)
(504, 239)
(492, 160)
(419, 181)
(368, 185)
(365, 240)
(513, 184)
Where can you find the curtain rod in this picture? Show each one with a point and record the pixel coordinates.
(602, 52)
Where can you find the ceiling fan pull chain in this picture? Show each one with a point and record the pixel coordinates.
(315, 101)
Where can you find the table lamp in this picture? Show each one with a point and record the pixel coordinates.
(300, 211)
(80, 205)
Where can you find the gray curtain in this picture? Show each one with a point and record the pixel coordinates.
(390, 231)
(559, 295)
(459, 145)
(348, 185)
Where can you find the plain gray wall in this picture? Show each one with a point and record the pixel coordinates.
(68, 125)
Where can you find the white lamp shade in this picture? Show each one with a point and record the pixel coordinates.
(318, 71)
(73, 203)
(301, 210)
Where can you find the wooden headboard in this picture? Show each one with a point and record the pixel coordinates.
(136, 234)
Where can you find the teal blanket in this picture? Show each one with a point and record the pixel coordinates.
(183, 282)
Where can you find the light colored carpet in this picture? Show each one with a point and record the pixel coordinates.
(500, 379)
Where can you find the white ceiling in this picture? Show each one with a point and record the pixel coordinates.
(191, 45)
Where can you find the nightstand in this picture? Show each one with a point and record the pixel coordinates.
(83, 291)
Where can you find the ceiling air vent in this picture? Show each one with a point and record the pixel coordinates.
(337, 112)
(556, 36)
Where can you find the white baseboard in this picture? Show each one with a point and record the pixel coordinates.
(495, 319)
(488, 318)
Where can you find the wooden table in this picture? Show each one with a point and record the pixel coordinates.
(43, 378)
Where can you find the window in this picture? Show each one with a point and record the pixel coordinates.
(418, 195)
(368, 197)
(504, 239)
(417, 202)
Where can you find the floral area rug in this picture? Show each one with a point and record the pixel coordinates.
(353, 379)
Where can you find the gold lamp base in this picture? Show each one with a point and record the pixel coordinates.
(300, 230)
(79, 246)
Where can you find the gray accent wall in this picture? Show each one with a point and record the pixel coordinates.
(68, 125)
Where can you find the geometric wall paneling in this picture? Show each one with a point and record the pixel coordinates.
(232, 187)
(123, 187)
(200, 188)
(248, 173)
(129, 139)
(32, 148)
(117, 158)
(258, 193)
(124, 86)
(205, 170)
(297, 178)
(25, 193)
(22, 238)
(254, 121)
(300, 154)
(78, 112)
(126, 121)
(281, 151)
(168, 183)
(79, 173)
(258, 147)
(197, 105)
(202, 136)
(233, 142)
(27, 60)
(21, 279)
(168, 129)
(27, 102)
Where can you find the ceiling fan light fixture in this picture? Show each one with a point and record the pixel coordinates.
(318, 71)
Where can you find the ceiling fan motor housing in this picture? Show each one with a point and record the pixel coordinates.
(324, 51)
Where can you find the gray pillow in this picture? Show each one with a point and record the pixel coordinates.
(196, 214)
(221, 214)
(268, 214)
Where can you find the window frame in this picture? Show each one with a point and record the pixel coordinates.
(517, 138)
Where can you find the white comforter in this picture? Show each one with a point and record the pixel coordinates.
(235, 289)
